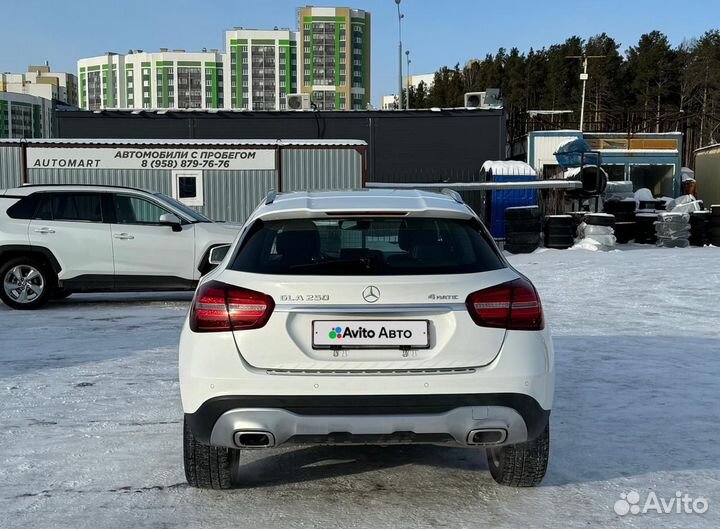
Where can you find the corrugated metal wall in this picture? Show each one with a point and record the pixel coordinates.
(542, 150)
(152, 179)
(10, 166)
(228, 195)
(321, 169)
(232, 195)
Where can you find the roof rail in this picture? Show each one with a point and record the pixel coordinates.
(453, 194)
(115, 186)
(270, 198)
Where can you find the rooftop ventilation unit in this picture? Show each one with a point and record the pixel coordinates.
(299, 102)
(488, 98)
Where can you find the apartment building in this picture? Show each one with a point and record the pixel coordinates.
(335, 53)
(165, 79)
(328, 57)
(25, 116)
(40, 81)
(262, 68)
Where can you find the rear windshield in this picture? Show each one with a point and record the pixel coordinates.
(365, 246)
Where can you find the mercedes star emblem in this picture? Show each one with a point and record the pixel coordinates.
(371, 294)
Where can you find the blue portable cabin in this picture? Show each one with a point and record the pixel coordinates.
(501, 199)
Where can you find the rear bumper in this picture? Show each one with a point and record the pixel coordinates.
(369, 419)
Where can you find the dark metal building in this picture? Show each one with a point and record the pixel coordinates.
(448, 145)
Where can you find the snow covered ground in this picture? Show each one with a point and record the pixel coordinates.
(90, 417)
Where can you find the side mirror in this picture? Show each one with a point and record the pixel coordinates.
(217, 254)
(168, 219)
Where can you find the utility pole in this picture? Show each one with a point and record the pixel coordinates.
(584, 78)
(400, 61)
(409, 83)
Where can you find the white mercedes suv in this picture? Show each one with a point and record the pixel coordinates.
(60, 239)
(365, 317)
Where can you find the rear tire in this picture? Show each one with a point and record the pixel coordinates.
(522, 464)
(208, 467)
(520, 248)
(524, 213)
(523, 237)
(26, 283)
(600, 219)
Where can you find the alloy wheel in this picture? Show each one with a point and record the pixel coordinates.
(24, 284)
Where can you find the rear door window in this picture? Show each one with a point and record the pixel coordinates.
(366, 246)
(24, 208)
(73, 207)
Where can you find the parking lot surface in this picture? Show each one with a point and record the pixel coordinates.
(91, 422)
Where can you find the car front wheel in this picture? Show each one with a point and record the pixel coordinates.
(26, 283)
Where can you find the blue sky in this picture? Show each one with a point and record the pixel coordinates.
(437, 33)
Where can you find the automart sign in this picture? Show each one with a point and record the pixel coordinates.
(150, 158)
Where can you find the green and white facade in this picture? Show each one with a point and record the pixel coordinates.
(261, 67)
(328, 58)
(167, 79)
(335, 56)
(25, 116)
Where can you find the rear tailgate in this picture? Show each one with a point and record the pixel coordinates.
(307, 307)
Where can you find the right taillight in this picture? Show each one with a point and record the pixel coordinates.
(514, 305)
(220, 307)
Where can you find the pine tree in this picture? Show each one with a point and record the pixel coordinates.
(653, 87)
(605, 83)
(650, 69)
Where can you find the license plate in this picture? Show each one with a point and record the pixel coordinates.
(371, 334)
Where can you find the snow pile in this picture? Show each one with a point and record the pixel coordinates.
(644, 194)
(673, 229)
(508, 168)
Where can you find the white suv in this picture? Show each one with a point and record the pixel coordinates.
(60, 239)
(365, 317)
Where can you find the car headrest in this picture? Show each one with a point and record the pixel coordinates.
(422, 233)
(298, 238)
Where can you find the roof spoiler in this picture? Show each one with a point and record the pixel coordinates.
(453, 194)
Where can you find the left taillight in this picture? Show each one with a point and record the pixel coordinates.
(220, 307)
(513, 306)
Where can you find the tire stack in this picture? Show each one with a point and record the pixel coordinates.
(645, 227)
(700, 227)
(559, 231)
(673, 229)
(624, 212)
(597, 233)
(522, 229)
(655, 205)
(715, 225)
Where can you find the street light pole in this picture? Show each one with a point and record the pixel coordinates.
(584, 78)
(407, 96)
(400, 65)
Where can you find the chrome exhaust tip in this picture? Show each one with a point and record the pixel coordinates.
(253, 439)
(486, 436)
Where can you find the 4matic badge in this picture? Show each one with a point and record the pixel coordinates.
(443, 297)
